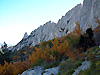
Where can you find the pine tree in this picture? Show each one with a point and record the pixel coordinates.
(5, 54)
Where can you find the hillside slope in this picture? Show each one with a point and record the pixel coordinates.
(84, 14)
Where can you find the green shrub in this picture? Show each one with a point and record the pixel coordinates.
(77, 64)
(98, 54)
(49, 43)
(94, 68)
(87, 52)
(38, 63)
(82, 73)
(65, 66)
(50, 65)
(95, 49)
(72, 41)
(69, 72)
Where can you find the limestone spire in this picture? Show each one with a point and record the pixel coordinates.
(25, 35)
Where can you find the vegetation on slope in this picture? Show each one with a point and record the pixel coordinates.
(73, 48)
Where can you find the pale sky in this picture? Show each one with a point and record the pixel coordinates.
(20, 16)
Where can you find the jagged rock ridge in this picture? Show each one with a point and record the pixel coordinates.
(25, 35)
(83, 13)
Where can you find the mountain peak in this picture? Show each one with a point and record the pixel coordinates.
(25, 35)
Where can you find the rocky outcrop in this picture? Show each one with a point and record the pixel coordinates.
(38, 70)
(25, 35)
(85, 65)
(83, 13)
(90, 9)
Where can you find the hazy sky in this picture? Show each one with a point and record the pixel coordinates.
(20, 16)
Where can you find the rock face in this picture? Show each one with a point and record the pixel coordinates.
(89, 10)
(38, 70)
(83, 13)
(85, 65)
(25, 35)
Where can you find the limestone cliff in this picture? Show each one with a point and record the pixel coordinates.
(83, 13)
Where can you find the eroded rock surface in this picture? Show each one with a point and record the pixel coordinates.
(85, 65)
(83, 13)
(38, 70)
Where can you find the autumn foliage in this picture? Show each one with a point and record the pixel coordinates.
(14, 68)
(77, 31)
(49, 51)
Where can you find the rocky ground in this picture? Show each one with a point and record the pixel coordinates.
(85, 65)
(38, 70)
